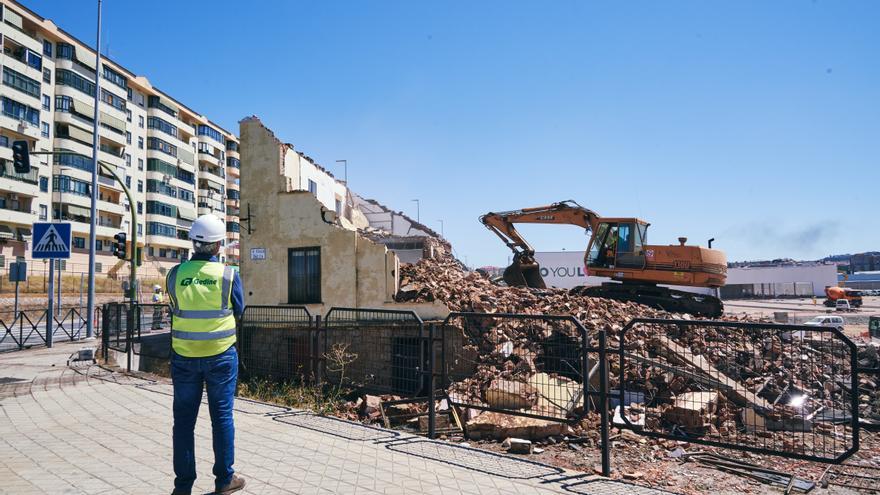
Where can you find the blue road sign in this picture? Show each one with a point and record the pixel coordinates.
(18, 271)
(51, 240)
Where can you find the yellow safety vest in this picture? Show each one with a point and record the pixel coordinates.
(202, 323)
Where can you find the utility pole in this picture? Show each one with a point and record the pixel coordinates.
(441, 229)
(90, 311)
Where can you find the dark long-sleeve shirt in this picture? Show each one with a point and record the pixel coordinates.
(237, 288)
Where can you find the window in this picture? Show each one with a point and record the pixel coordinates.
(21, 82)
(185, 194)
(157, 186)
(44, 212)
(20, 111)
(81, 162)
(140, 143)
(79, 242)
(233, 227)
(47, 48)
(233, 162)
(140, 207)
(313, 187)
(140, 186)
(304, 275)
(140, 229)
(115, 77)
(338, 207)
(129, 95)
(65, 50)
(47, 75)
(163, 252)
(67, 184)
(128, 115)
(127, 160)
(159, 124)
(112, 100)
(231, 145)
(233, 194)
(47, 102)
(63, 103)
(186, 176)
(159, 208)
(65, 77)
(99, 245)
(155, 102)
(44, 129)
(154, 143)
(4, 141)
(127, 137)
(140, 163)
(34, 60)
(44, 184)
(128, 181)
(212, 133)
(98, 267)
(141, 121)
(156, 165)
(161, 229)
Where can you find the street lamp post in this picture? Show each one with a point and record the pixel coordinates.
(441, 229)
(96, 140)
(418, 213)
(345, 164)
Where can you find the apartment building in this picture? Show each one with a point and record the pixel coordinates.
(176, 162)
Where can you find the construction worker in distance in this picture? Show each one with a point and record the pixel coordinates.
(158, 300)
(206, 297)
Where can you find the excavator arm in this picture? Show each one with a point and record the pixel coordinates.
(525, 270)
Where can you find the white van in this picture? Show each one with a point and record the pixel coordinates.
(827, 321)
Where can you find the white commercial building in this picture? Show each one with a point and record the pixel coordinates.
(565, 269)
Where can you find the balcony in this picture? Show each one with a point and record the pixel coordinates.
(20, 216)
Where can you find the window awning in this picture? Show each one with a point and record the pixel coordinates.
(113, 122)
(79, 134)
(186, 156)
(12, 18)
(186, 213)
(218, 185)
(78, 211)
(85, 57)
(83, 108)
(6, 232)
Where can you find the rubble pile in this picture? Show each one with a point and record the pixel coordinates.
(761, 384)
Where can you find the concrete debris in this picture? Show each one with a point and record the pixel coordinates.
(519, 446)
(492, 425)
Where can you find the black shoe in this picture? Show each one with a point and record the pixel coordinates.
(181, 492)
(234, 485)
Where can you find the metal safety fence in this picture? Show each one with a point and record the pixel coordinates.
(784, 390)
(799, 392)
(526, 365)
(278, 342)
(28, 328)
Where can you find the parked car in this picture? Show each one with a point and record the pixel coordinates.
(827, 321)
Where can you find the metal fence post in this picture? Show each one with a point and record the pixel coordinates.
(432, 413)
(603, 403)
(20, 330)
(129, 323)
(322, 363)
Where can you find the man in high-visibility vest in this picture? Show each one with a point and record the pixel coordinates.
(206, 297)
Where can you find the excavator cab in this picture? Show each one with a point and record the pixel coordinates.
(618, 243)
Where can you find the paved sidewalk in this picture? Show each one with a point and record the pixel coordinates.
(82, 429)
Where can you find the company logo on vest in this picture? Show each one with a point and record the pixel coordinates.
(197, 281)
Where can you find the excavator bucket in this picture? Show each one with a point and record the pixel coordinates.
(524, 273)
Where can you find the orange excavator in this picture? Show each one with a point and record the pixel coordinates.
(618, 249)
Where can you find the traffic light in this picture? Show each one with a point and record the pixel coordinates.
(119, 245)
(21, 157)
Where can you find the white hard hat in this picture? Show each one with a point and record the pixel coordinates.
(207, 229)
(157, 287)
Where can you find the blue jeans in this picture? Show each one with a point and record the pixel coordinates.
(220, 373)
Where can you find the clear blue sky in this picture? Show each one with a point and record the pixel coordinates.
(757, 123)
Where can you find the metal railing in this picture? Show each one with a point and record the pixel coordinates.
(784, 390)
(28, 328)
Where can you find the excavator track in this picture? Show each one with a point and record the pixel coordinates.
(674, 301)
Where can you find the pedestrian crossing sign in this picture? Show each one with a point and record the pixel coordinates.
(51, 240)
